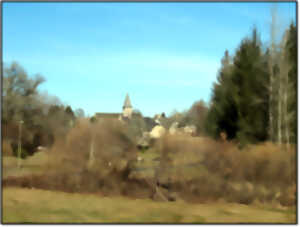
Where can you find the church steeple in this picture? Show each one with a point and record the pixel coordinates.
(127, 107)
(127, 103)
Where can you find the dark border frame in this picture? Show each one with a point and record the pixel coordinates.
(149, 1)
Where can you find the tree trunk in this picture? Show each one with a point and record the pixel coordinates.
(271, 125)
(279, 110)
(92, 155)
(271, 70)
(284, 83)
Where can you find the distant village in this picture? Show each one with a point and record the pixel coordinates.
(154, 127)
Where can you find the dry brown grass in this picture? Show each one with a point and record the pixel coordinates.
(266, 172)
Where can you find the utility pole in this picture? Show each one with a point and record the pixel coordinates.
(19, 143)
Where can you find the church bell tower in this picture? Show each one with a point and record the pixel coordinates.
(127, 107)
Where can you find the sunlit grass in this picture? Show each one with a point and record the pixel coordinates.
(40, 206)
(36, 164)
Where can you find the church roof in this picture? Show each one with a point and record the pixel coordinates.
(108, 115)
(127, 103)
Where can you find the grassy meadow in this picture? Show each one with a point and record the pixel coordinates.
(42, 206)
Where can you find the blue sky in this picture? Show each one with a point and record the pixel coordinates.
(165, 55)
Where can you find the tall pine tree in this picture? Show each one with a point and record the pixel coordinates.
(251, 96)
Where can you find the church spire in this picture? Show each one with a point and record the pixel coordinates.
(127, 103)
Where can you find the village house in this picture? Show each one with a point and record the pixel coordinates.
(152, 127)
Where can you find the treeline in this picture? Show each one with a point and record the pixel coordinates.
(196, 115)
(255, 96)
(39, 118)
(253, 100)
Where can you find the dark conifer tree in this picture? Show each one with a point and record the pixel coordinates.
(250, 79)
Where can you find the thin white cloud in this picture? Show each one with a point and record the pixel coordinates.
(173, 83)
(160, 69)
(173, 71)
(167, 61)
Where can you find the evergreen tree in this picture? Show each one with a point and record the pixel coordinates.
(250, 94)
(239, 104)
(222, 115)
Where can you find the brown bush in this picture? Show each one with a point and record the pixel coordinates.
(6, 148)
(70, 169)
(259, 172)
(73, 167)
(263, 173)
(10, 131)
(267, 164)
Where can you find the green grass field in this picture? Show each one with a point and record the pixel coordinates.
(41, 206)
(36, 164)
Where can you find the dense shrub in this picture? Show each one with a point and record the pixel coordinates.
(94, 156)
(6, 148)
(196, 169)
(265, 172)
